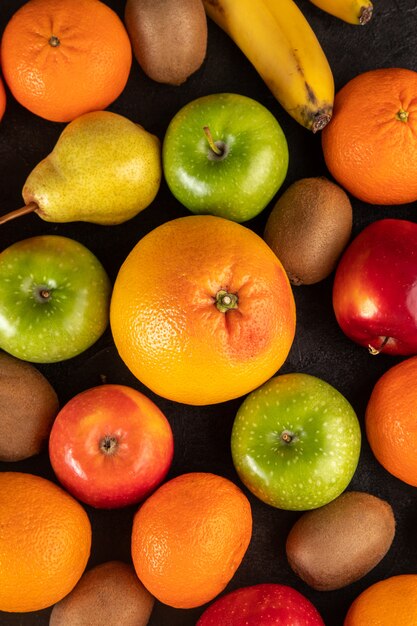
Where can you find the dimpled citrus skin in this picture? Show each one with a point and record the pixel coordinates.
(390, 420)
(189, 538)
(369, 146)
(45, 541)
(167, 327)
(103, 169)
(86, 71)
(389, 602)
(2, 99)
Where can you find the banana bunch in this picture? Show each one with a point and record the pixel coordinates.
(351, 11)
(279, 42)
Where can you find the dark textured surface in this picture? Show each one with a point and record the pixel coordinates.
(320, 348)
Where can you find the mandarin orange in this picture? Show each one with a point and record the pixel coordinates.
(189, 538)
(370, 144)
(202, 310)
(2, 99)
(61, 59)
(45, 540)
(391, 420)
(389, 602)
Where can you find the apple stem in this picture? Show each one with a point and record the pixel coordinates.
(108, 445)
(375, 351)
(226, 301)
(211, 142)
(28, 208)
(288, 437)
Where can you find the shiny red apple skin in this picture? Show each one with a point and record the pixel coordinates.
(262, 605)
(110, 446)
(375, 288)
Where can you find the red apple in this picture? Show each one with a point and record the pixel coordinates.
(262, 605)
(375, 288)
(110, 446)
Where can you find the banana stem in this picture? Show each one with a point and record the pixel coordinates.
(320, 121)
(365, 15)
(28, 208)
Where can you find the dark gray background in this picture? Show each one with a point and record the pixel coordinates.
(202, 434)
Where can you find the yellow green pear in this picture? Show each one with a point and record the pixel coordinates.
(103, 169)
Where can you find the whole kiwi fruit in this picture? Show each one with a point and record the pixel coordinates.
(339, 543)
(169, 37)
(28, 407)
(109, 594)
(308, 228)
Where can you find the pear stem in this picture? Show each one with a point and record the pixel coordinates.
(28, 208)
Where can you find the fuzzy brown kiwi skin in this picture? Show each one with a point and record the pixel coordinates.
(332, 547)
(308, 229)
(169, 37)
(28, 407)
(110, 594)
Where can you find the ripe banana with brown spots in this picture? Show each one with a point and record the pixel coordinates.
(277, 39)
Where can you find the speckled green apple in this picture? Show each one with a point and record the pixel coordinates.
(103, 169)
(296, 442)
(54, 299)
(226, 155)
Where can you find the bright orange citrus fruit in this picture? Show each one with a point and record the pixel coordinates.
(391, 420)
(370, 144)
(45, 540)
(389, 602)
(2, 99)
(189, 538)
(202, 310)
(61, 58)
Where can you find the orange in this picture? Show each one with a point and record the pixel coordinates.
(189, 538)
(202, 310)
(2, 99)
(391, 420)
(370, 144)
(62, 58)
(390, 602)
(45, 539)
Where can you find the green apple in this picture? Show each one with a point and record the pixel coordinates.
(54, 299)
(226, 155)
(296, 442)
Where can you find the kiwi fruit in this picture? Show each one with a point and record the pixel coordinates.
(339, 543)
(308, 228)
(28, 407)
(169, 37)
(109, 594)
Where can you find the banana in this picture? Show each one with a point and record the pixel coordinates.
(279, 42)
(351, 11)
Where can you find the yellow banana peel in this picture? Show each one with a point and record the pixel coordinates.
(351, 11)
(279, 42)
